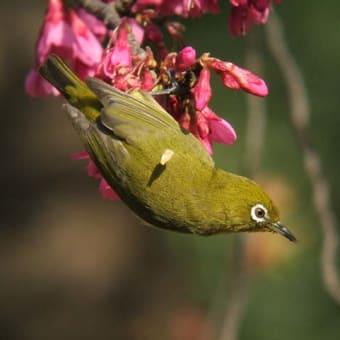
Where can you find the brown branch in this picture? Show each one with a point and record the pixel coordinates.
(300, 114)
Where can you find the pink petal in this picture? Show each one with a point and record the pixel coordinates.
(137, 30)
(239, 22)
(185, 8)
(236, 77)
(55, 38)
(199, 7)
(80, 155)
(153, 33)
(245, 13)
(185, 58)
(260, 5)
(86, 47)
(36, 86)
(81, 70)
(202, 90)
(258, 16)
(148, 81)
(107, 191)
(230, 81)
(119, 55)
(92, 170)
(201, 124)
(146, 3)
(238, 2)
(88, 50)
(96, 26)
(207, 144)
(248, 81)
(222, 132)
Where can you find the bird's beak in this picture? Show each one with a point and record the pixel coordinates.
(282, 230)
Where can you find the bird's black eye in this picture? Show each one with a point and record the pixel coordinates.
(258, 213)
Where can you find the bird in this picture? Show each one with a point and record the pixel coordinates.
(158, 168)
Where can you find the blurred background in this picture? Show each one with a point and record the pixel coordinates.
(76, 266)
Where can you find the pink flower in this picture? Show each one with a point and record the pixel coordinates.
(67, 35)
(245, 13)
(92, 171)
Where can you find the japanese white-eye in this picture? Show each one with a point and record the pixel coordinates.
(160, 170)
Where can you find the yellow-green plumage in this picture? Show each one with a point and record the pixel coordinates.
(128, 135)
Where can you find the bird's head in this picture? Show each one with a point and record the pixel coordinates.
(253, 210)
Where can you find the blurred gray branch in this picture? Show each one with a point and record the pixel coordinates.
(300, 114)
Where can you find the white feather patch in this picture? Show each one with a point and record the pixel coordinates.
(167, 155)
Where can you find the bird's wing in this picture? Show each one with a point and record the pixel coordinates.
(136, 116)
(132, 113)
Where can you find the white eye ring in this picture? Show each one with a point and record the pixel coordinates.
(259, 213)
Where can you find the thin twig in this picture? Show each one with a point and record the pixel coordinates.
(300, 114)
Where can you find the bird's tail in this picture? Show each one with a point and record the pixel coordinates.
(75, 91)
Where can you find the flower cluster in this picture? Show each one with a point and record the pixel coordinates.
(73, 34)
(78, 38)
(191, 107)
